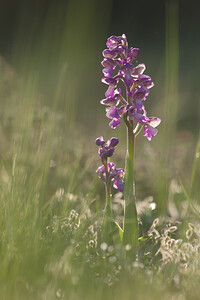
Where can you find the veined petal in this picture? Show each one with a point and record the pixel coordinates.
(128, 80)
(113, 42)
(107, 72)
(111, 101)
(141, 93)
(101, 172)
(112, 113)
(110, 91)
(133, 53)
(108, 62)
(138, 70)
(110, 53)
(145, 80)
(149, 132)
(114, 123)
(153, 121)
(110, 81)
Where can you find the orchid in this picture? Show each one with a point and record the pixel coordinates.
(111, 176)
(119, 65)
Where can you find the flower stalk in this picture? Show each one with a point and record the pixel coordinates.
(130, 225)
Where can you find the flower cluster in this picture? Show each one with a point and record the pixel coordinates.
(137, 85)
(108, 171)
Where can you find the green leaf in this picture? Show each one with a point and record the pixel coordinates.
(189, 199)
(121, 232)
(144, 238)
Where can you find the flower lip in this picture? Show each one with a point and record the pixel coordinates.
(149, 132)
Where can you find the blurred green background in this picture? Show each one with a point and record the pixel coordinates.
(50, 115)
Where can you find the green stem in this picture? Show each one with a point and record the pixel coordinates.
(107, 219)
(130, 235)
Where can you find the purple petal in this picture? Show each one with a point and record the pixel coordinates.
(114, 123)
(120, 49)
(119, 185)
(114, 100)
(139, 106)
(108, 62)
(124, 38)
(128, 80)
(111, 166)
(113, 142)
(110, 91)
(121, 110)
(101, 172)
(113, 42)
(107, 153)
(153, 121)
(149, 132)
(110, 81)
(145, 80)
(100, 141)
(110, 53)
(119, 180)
(107, 72)
(112, 113)
(141, 93)
(110, 101)
(139, 69)
(138, 117)
(133, 53)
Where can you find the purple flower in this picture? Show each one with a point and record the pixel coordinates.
(112, 100)
(116, 176)
(119, 180)
(112, 113)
